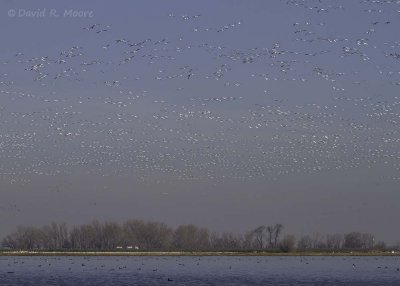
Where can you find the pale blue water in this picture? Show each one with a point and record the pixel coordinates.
(199, 271)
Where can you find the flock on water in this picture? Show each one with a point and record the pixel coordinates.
(204, 270)
(203, 106)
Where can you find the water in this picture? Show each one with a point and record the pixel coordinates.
(199, 271)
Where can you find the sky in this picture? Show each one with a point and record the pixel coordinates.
(225, 114)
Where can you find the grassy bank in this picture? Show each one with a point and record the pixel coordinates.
(191, 253)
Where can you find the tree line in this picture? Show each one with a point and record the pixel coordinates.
(157, 236)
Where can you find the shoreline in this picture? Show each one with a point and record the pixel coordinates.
(189, 253)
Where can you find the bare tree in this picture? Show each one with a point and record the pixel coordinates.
(357, 240)
(130, 230)
(259, 234)
(55, 236)
(278, 229)
(225, 241)
(353, 240)
(63, 235)
(110, 236)
(147, 235)
(318, 241)
(288, 243)
(190, 237)
(334, 241)
(86, 236)
(249, 241)
(10, 241)
(304, 243)
(75, 238)
(27, 238)
(158, 236)
(367, 240)
(270, 229)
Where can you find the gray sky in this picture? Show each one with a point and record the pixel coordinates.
(226, 114)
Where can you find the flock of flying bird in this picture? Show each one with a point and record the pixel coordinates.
(174, 108)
